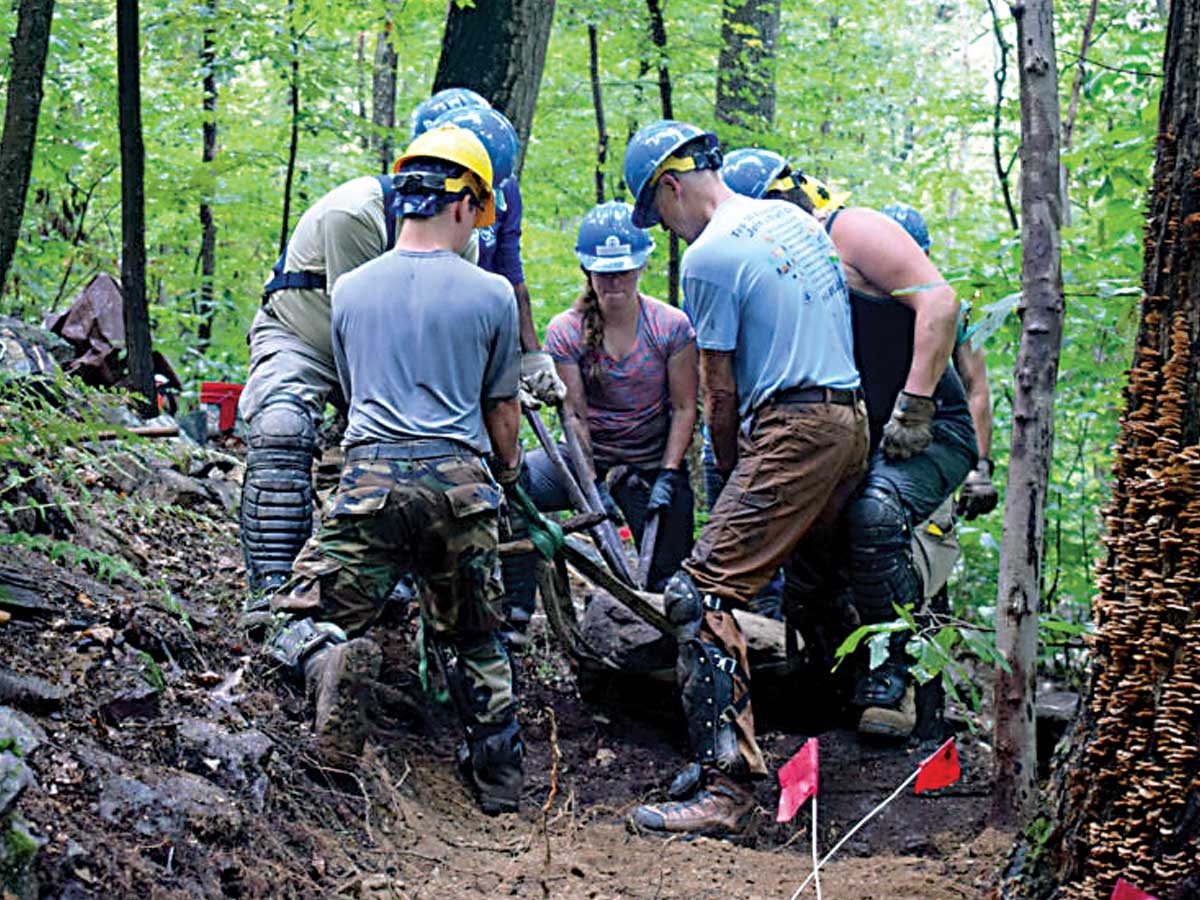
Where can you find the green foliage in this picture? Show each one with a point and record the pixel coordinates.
(893, 102)
(102, 565)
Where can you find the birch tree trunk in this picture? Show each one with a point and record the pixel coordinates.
(1125, 798)
(1015, 795)
(24, 100)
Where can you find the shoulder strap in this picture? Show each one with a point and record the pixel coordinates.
(829, 222)
(387, 184)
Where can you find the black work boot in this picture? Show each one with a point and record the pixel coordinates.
(338, 676)
(491, 761)
(888, 700)
(720, 808)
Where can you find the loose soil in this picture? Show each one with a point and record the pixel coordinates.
(172, 760)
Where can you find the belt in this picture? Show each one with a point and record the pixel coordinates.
(420, 448)
(816, 395)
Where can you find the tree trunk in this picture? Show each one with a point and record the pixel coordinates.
(208, 238)
(598, 105)
(1125, 799)
(294, 141)
(746, 68)
(658, 36)
(1015, 796)
(133, 207)
(27, 65)
(498, 49)
(383, 96)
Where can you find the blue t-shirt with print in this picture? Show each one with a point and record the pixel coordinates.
(763, 280)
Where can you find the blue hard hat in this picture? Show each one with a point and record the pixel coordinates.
(444, 100)
(498, 136)
(751, 172)
(913, 222)
(609, 241)
(650, 148)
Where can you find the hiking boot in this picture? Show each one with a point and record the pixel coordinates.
(256, 614)
(491, 761)
(338, 677)
(721, 808)
(888, 699)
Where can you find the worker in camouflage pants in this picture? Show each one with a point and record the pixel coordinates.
(427, 352)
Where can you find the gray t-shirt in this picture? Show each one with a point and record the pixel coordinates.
(421, 341)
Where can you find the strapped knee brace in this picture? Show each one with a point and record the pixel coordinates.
(882, 571)
(277, 493)
(706, 677)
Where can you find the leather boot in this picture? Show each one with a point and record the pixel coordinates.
(720, 808)
(888, 699)
(337, 677)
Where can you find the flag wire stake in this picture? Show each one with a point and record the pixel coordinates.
(849, 834)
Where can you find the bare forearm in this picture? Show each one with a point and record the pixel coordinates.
(683, 423)
(933, 342)
(528, 334)
(720, 412)
(502, 419)
(980, 404)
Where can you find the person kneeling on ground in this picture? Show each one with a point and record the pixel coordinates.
(427, 353)
(629, 363)
(922, 437)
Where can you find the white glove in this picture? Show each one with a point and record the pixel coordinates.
(540, 379)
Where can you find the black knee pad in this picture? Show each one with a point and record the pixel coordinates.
(277, 493)
(881, 571)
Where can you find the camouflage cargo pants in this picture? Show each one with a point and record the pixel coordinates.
(437, 518)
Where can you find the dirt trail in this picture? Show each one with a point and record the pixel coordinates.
(168, 760)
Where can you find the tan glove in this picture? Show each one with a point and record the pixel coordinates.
(910, 429)
(540, 379)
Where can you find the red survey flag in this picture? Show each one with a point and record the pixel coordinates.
(939, 769)
(1126, 891)
(797, 780)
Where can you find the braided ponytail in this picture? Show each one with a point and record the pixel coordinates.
(588, 304)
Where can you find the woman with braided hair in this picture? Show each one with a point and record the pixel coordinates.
(629, 363)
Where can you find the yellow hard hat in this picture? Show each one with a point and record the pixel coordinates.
(456, 145)
(822, 196)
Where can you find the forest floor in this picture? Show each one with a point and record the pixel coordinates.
(168, 759)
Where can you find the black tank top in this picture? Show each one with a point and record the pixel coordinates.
(883, 349)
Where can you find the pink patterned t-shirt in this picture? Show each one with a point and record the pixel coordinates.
(629, 406)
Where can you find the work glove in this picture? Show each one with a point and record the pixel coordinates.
(539, 379)
(663, 492)
(910, 429)
(507, 476)
(610, 505)
(978, 496)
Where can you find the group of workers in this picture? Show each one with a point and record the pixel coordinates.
(817, 337)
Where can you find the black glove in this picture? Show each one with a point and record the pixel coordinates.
(610, 505)
(978, 496)
(909, 430)
(663, 492)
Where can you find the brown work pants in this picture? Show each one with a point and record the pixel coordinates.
(796, 467)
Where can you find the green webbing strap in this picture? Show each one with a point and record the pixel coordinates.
(547, 536)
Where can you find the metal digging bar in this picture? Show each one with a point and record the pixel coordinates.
(605, 537)
(649, 539)
(613, 554)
